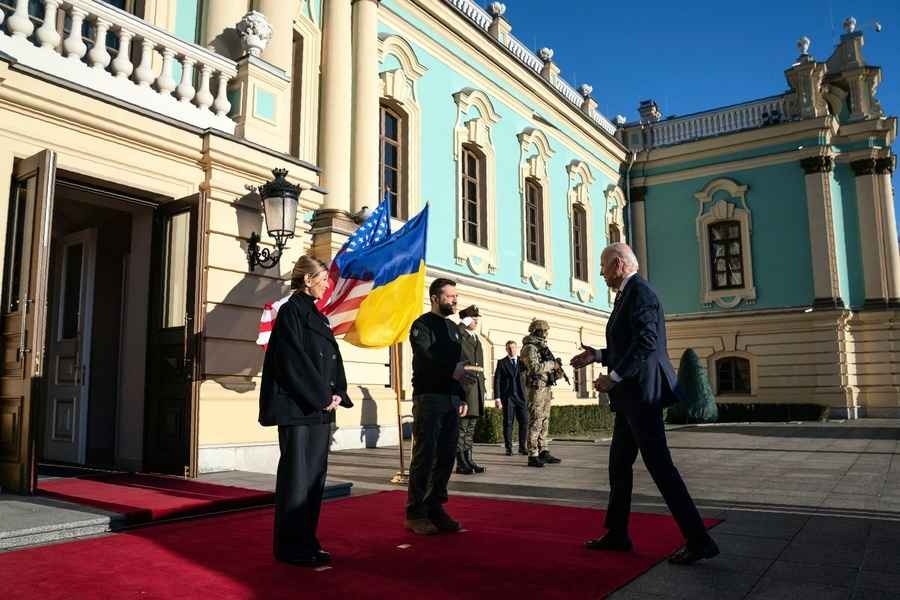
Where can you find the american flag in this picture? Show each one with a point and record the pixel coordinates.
(343, 296)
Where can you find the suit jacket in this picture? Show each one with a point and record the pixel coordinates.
(636, 349)
(303, 367)
(474, 355)
(508, 380)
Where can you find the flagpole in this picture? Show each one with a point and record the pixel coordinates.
(401, 477)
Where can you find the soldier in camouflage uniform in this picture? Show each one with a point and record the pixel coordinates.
(541, 373)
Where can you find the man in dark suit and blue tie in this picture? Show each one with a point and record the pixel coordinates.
(641, 382)
(509, 394)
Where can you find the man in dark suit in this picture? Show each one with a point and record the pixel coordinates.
(640, 383)
(509, 394)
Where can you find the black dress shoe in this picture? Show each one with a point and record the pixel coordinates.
(613, 543)
(314, 560)
(688, 556)
(509, 451)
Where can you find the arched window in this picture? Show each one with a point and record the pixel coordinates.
(534, 222)
(473, 197)
(733, 375)
(726, 255)
(579, 243)
(391, 174)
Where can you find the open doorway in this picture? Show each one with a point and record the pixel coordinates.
(86, 327)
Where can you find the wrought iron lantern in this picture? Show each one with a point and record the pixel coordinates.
(280, 200)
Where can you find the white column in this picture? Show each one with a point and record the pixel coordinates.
(638, 239)
(365, 104)
(225, 16)
(821, 231)
(334, 131)
(883, 169)
(280, 15)
(868, 208)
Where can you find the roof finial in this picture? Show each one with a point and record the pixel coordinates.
(849, 25)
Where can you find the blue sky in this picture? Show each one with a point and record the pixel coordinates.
(700, 54)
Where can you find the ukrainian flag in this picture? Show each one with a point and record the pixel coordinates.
(392, 273)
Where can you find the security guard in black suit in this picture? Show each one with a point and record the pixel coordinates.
(509, 392)
(303, 381)
(473, 355)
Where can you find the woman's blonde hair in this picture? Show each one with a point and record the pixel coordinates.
(305, 265)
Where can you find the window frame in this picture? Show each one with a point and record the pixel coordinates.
(726, 242)
(469, 152)
(724, 200)
(535, 248)
(580, 268)
(398, 194)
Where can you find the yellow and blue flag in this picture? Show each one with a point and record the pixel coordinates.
(379, 286)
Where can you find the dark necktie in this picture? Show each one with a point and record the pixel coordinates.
(617, 303)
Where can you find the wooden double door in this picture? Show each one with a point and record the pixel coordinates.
(35, 396)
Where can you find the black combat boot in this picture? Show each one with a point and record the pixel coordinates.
(462, 465)
(475, 466)
(549, 458)
(535, 461)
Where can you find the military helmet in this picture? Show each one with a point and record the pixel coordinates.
(538, 325)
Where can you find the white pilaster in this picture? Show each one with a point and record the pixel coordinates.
(365, 105)
(335, 130)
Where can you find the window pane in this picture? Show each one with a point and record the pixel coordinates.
(391, 126)
(391, 155)
(72, 291)
(471, 166)
(12, 277)
(177, 245)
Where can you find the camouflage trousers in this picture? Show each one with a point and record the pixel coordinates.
(538, 419)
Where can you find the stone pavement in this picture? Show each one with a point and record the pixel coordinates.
(811, 510)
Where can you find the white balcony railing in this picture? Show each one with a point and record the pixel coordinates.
(99, 47)
(749, 115)
(482, 19)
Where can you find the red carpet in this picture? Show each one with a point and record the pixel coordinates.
(511, 550)
(151, 497)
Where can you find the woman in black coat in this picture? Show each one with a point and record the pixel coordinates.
(303, 382)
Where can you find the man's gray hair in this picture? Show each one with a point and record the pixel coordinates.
(623, 251)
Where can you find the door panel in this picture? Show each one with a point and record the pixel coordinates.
(172, 345)
(69, 349)
(23, 316)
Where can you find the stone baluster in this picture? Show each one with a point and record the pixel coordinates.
(186, 91)
(144, 73)
(74, 45)
(121, 65)
(47, 34)
(165, 83)
(204, 98)
(19, 24)
(222, 105)
(99, 55)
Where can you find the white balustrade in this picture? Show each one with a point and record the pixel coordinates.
(482, 19)
(19, 23)
(146, 79)
(750, 115)
(46, 33)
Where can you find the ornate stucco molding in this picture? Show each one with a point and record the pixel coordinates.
(473, 128)
(534, 163)
(714, 208)
(399, 92)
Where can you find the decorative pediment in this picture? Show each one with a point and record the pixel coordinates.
(396, 46)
